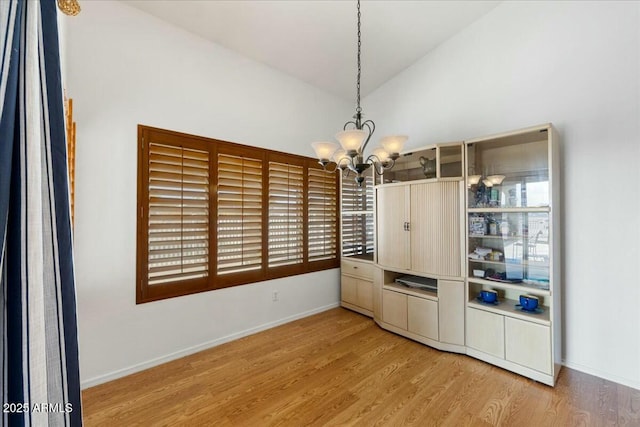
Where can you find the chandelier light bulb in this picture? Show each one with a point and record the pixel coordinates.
(381, 154)
(393, 144)
(341, 158)
(351, 140)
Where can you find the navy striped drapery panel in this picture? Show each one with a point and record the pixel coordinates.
(39, 344)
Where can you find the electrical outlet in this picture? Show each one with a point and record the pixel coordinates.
(274, 297)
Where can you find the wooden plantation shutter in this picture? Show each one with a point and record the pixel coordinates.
(286, 214)
(213, 214)
(357, 198)
(239, 214)
(357, 234)
(178, 213)
(357, 224)
(321, 215)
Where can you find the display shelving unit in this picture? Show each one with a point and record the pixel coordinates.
(513, 248)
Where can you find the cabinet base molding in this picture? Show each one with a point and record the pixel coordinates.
(514, 367)
(357, 309)
(452, 348)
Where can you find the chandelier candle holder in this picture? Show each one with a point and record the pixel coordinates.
(354, 137)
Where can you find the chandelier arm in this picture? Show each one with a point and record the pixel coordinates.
(350, 123)
(326, 169)
(352, 166)
(371, 127)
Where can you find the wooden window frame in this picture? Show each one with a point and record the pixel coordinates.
(147, 293)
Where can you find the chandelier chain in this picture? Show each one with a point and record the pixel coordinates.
(358, 109)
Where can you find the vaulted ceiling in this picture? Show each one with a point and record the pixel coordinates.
(316, 41)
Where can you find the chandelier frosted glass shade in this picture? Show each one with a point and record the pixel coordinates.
(341, 158)
(393, 144)
(474, 179)
(496, 179)
(381, 154)
(351, 140)
(324, 149)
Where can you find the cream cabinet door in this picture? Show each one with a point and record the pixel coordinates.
(394, 308)
(349, 290)
(451, 302)
(422, 315)
(435, 228)
(485, 332)
(393, 237)
(528, 344)
(364, 294)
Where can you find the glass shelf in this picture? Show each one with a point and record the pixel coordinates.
(509, 247)
(437, 161)
(509, 172)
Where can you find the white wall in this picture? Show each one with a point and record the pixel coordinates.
(577, 65)
(122, 68)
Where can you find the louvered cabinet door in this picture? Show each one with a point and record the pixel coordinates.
(392, 224)
(435, 228)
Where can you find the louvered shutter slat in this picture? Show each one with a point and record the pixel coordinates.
(322, 215)
(286, 203)
(178, 214)
(239, 214)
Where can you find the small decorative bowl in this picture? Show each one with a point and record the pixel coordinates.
(489, 296)
(529, 302)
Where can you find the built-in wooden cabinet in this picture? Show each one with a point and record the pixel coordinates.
(513, 249)
(420, 227)
(358, 244)
(466, 217)
(433, 317)
(356, 291)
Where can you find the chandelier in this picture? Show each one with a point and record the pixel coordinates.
(354, 139)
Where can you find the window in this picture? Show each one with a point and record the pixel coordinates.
(213, 214)
(357, 217)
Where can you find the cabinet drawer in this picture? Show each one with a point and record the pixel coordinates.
(422, 317)
(485, 332)
(528, 344)
(394, 308)
(359, 269)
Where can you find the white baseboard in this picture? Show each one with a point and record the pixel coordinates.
(200, 347)
(601, 374)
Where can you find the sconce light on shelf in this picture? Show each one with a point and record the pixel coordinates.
(489, 181)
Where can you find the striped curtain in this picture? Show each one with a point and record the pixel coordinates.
(38, 345)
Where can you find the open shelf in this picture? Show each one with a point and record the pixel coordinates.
(421, 293)
(522, 287)
(507, 307)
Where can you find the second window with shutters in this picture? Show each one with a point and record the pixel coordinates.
(213, 214)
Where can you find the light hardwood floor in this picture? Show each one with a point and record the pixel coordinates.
(338, 368)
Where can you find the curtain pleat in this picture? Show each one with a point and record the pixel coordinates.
(39, 345)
